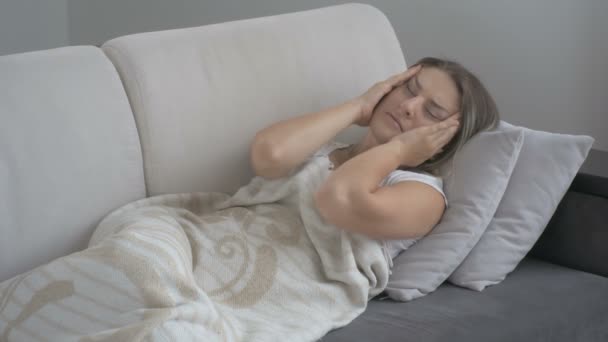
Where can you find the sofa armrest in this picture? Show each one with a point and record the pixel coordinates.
(577, 234)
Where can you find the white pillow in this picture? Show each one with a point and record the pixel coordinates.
(479, 176)
(545, 169)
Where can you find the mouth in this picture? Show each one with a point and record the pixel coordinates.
(396, 121)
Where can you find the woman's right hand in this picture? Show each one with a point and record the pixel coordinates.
(370, 99)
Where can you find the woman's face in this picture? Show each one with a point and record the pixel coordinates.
(430, 96)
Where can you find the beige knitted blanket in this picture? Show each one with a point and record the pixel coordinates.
(260, 265)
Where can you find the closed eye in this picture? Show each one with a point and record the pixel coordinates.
(428, 112)
(426, 109)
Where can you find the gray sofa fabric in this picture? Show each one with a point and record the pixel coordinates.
(539, 301)
(559, 292)
(577, 235)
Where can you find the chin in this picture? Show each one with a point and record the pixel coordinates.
(381, 133)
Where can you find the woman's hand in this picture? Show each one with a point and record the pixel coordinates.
(422, 143)
(370, 99)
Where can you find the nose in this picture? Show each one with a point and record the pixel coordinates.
(411, 106)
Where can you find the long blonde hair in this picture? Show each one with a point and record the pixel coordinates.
(477, 108)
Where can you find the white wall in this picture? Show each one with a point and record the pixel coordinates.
(545, 61)
(27, 25)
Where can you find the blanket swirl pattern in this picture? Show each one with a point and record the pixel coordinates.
(260, 265)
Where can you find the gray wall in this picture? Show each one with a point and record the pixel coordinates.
(545, 61)
(27, 25)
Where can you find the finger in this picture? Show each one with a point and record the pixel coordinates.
(437, 128)
(454, 117)
(409, 73)
(445, 136)
(443, 128)
(445, 124)
(402, 77)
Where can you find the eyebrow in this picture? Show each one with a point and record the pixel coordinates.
(432, 101)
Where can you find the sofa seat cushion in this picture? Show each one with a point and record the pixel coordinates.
(539, 301)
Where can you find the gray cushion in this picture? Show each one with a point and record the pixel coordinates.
(474, 184)
(539, 301)
(545, 168)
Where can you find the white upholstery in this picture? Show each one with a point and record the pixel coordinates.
(70, 146)
(200, 94)
(69, 153)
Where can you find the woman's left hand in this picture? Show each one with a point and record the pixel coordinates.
(422, 143)
(368, 101)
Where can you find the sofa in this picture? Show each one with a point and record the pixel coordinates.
(87, 129)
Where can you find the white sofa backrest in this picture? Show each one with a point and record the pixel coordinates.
(69, 153)
(200, 94)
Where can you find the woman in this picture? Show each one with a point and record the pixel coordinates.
(387, 185)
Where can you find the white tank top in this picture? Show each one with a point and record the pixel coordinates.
(392, 248)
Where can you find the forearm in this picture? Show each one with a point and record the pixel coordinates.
(358, 178)
(285, 144)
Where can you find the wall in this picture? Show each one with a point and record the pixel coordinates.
(545, 61)
(27, 25)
